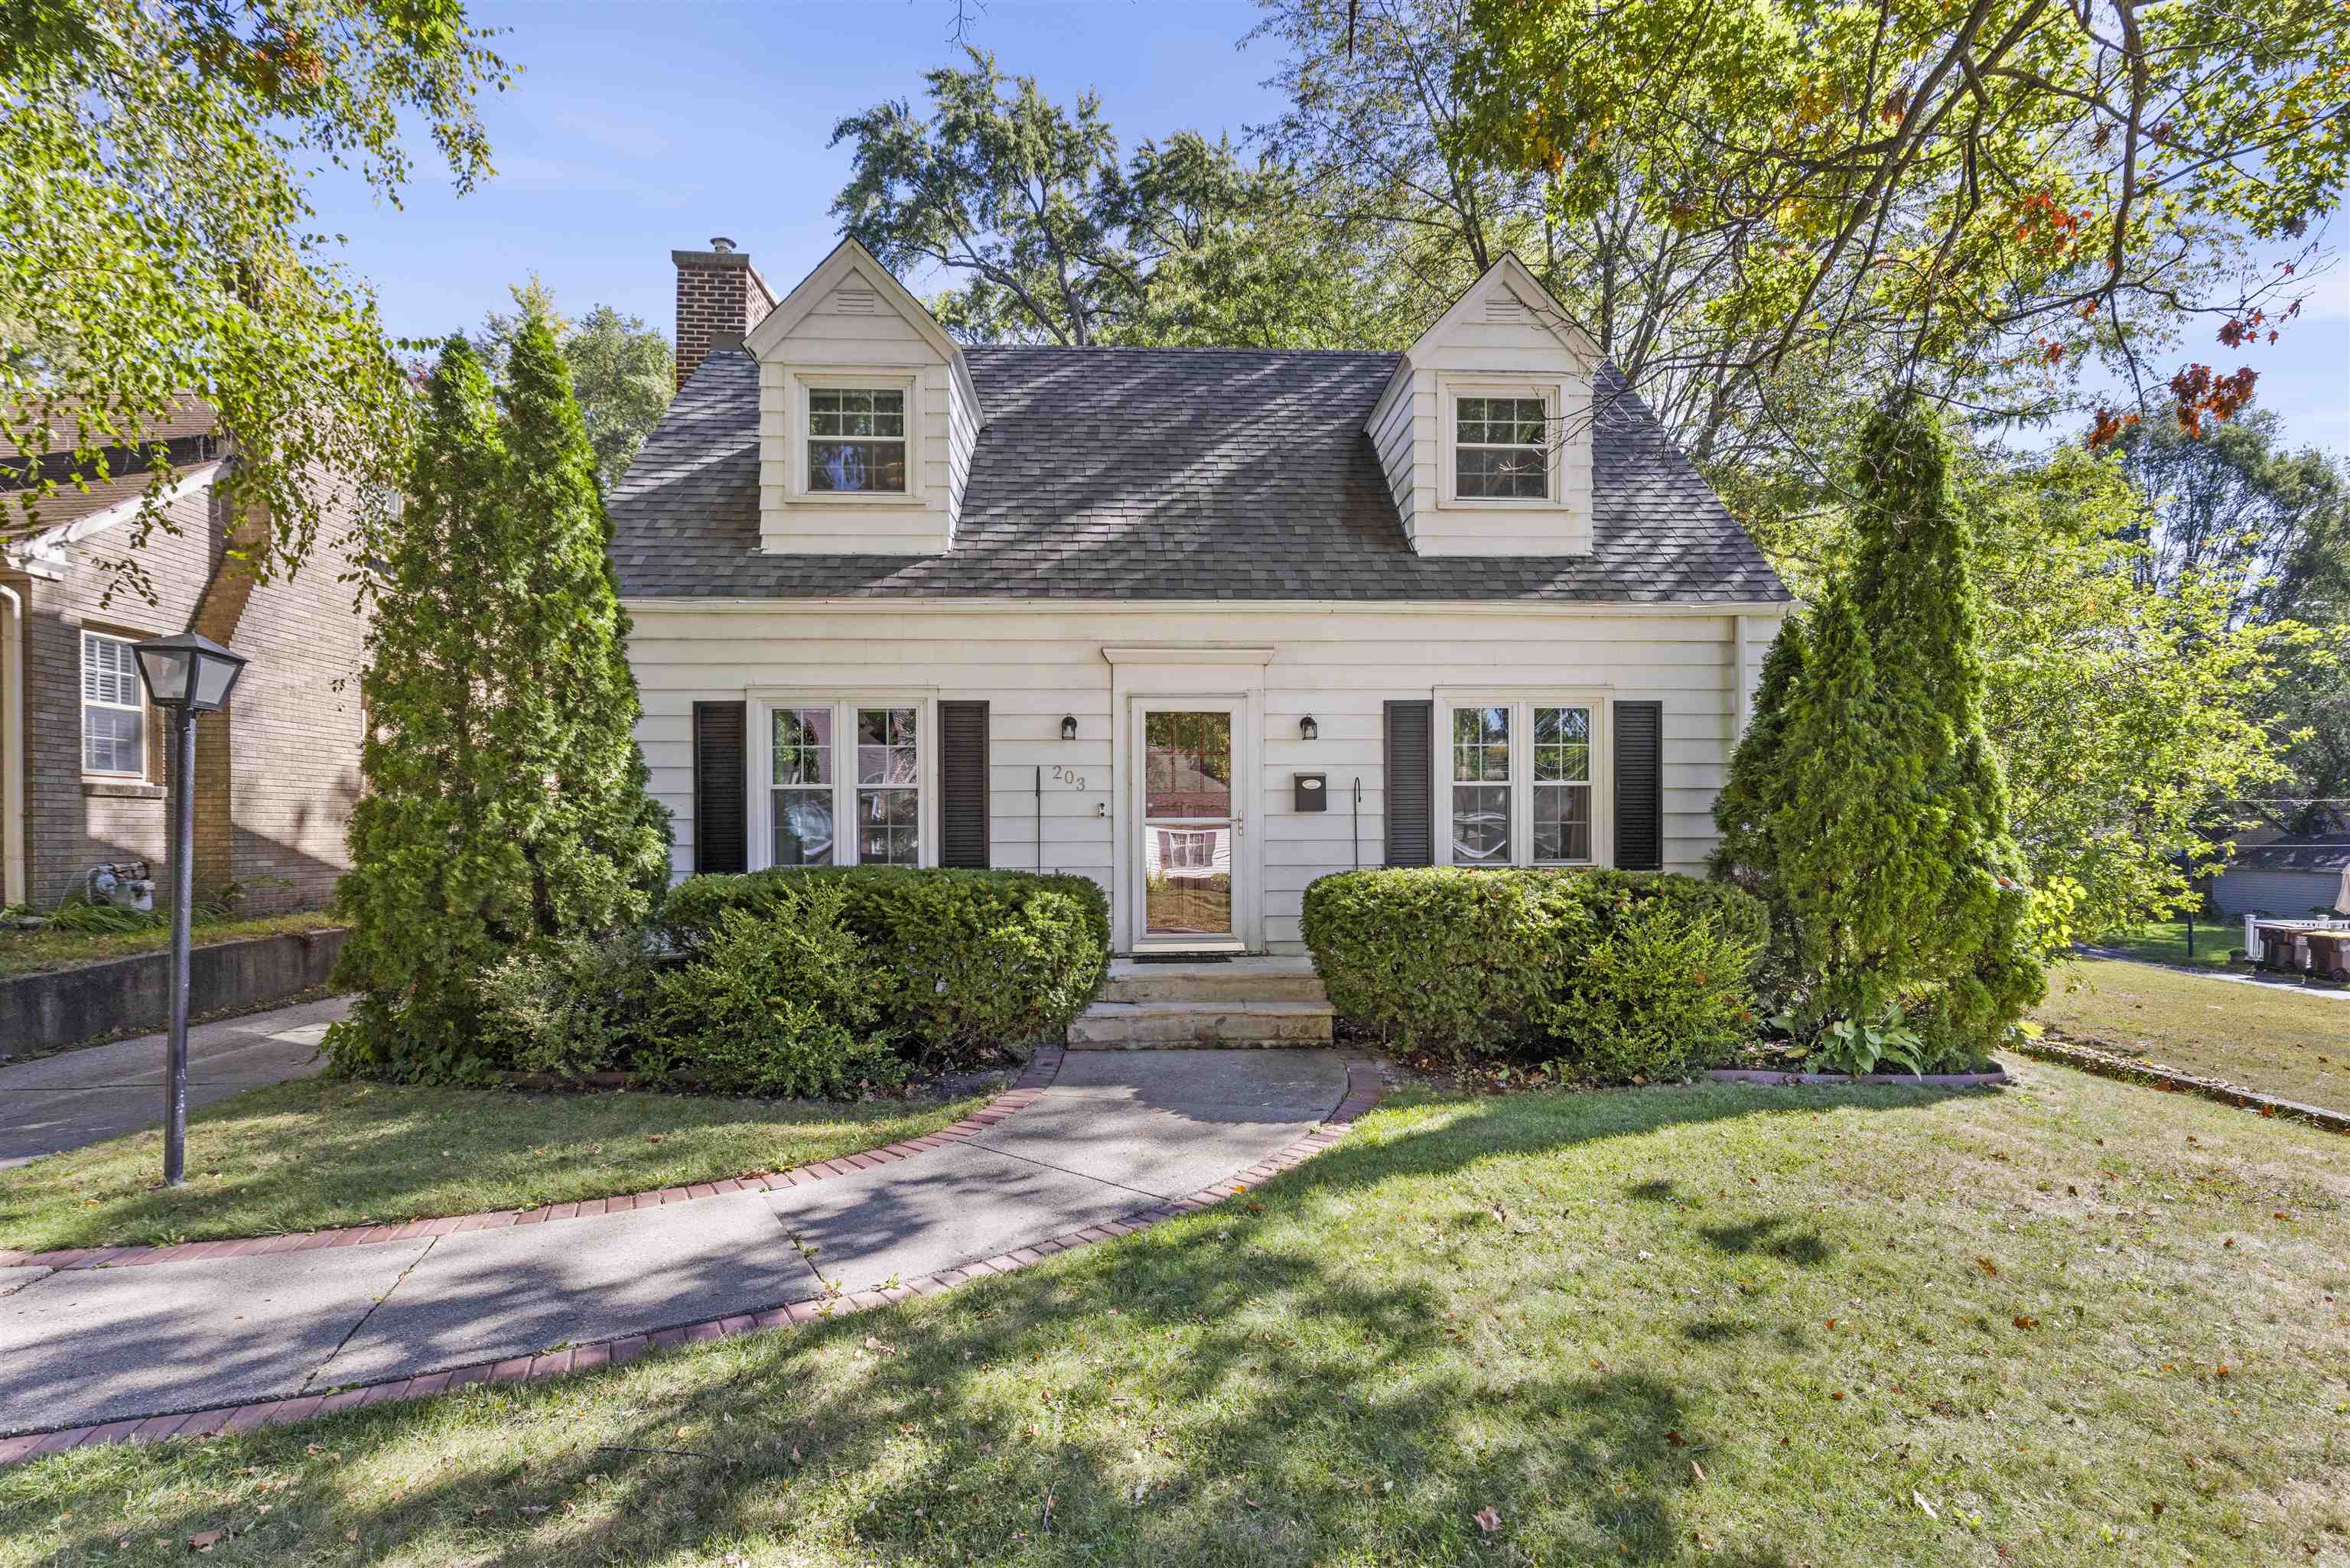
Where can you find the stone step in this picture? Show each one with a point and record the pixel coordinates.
(1240, 980)
(1172, 1025)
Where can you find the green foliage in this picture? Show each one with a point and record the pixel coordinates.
(80, 915)
(1618, 974)
(1059, 241)
(505, 803)
(570, 1005)
(1858, 1045)
(978, 963)
(2001, 190)
(2122, 702)
(781, 1000)
(1656, 990)
(158, 242)
(622, 371)
(1867, 793)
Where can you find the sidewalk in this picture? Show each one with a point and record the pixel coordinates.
(99, 1092)
(1113, 1135)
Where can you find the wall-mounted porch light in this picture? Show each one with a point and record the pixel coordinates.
(1307, 729)
(1068, 726)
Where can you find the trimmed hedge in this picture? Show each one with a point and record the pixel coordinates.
(974, 963)
(1616, 974)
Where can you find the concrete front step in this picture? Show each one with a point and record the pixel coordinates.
(1172, 1025)
(1237, 979)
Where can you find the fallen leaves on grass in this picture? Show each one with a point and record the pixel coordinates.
(1488, 1518)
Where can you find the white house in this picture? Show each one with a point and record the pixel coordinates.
(1188, 621)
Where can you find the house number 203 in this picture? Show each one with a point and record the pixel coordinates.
(1062, 775)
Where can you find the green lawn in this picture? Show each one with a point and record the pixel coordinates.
(2165, 942)
(31, 952)
(2076, 1323)
(2276, 1039)
(321, 1152)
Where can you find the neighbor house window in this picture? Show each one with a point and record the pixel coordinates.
(1521, 784)
(113, 707)
(861, 809)
(857, 440)
(1501, 451)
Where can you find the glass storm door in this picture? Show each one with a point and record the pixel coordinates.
(1190, 824)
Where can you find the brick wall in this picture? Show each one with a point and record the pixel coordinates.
(276, 773)
(72, 823)
(720, 297)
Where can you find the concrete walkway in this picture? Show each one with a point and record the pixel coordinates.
(99, 1092)
(1113, 1135)
(2265, 982)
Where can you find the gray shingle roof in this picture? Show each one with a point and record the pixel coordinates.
(1170, 474)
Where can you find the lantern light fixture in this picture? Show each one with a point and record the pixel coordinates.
(188, 671)
(1068, 726)
(1307, 729)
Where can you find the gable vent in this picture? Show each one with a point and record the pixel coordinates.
(854, 302)
(1503, 307)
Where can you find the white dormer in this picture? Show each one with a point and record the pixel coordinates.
(1485, 430)
(867, 417)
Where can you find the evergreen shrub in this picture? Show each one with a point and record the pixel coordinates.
(973, 964)
(1613, 974)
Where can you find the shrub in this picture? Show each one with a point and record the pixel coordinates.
(780, 999)
(1618, 974)
(1659, 992)
(573, 1006)
(973, 963)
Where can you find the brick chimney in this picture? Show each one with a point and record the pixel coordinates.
(720, 297)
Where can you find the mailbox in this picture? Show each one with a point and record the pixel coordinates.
(1311, 794)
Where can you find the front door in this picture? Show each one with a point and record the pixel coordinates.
(1190, 888)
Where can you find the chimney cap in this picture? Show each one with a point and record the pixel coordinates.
(720, 244)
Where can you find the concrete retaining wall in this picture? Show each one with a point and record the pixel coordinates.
(40, 1011)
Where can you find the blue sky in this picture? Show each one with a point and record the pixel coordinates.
(638, 127)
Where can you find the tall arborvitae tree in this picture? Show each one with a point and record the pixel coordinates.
(1754, 790)
(1864, 801)
(505, 802)
(1913, 584)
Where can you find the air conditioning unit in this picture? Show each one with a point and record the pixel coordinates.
(125, 884)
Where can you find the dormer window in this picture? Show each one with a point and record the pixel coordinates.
(1500, 448)
(856, 441)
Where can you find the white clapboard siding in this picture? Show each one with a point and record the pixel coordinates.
(1339, 664)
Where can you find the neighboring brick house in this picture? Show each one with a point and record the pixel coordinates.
(81, 754)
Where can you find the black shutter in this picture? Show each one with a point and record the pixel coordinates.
(1411, 818)
(1639, 786)
(963, 785)
(721, 826)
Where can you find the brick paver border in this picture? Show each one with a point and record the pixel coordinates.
(1366, 1085)
(1037, 1077)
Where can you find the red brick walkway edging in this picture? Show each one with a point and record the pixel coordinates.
(1366, 1085)
(1038, 1077)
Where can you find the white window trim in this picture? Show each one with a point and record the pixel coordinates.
(1449, 390)
(1521, 701)
(760, 757)
(81, 671)
(854, 378)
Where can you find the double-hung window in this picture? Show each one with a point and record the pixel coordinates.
(1500, 448)
(845, 783)
(1519, 783)
(857, 440)
(113, 707)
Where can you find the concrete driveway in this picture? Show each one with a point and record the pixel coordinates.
(77, 1097)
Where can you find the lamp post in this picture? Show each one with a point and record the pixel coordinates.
(185, 675)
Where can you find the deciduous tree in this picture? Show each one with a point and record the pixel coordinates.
(156, 239)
